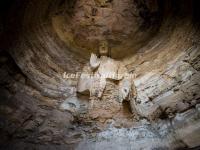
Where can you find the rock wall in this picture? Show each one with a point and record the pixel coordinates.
(158, 40)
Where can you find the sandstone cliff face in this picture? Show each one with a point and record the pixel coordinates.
(157, 40)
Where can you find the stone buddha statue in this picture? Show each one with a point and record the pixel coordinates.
(105, 79)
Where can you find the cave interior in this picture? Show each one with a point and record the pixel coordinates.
(157, 40)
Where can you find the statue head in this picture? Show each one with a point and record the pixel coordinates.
(101, 3)
(104, 49)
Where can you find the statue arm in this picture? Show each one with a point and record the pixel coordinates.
(94, 61)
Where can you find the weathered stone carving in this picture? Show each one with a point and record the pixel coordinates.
(105, 78)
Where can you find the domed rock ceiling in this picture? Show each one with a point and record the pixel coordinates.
(92, 21)
(157, 40)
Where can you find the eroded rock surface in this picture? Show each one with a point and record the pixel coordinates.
(157, 40)
(173, 90)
